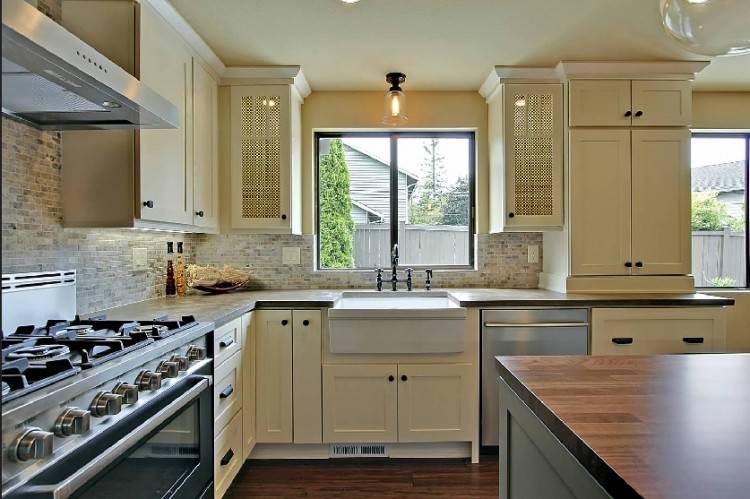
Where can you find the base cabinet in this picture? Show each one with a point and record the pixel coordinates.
(274, 371)
(653, 331)
(396, 403)
(248, 386)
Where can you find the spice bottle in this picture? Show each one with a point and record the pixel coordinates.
(170, 284)
(179, 272)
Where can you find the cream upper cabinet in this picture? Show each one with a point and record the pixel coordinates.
(360, 403)
(661, 202)
(166, 178)
(526, 157)
(600, 201)
(434, 403)
(265, 159)
(205, 148)
(629, 103)
(661, 103)
(599, 103)
(273, 329)
(652, 331)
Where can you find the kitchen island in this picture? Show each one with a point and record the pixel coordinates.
(673, 426)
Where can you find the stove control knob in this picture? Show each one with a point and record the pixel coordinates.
(182, 362)
(168, 369)
(106, 404)
(73, 421)
(195, 353)
(129, 392)
(32, 444)
(148, 380)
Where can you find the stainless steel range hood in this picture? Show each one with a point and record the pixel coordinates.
(53, 80)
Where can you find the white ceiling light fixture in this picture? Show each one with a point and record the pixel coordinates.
(395, 100)
(350, 1)
(709, 27)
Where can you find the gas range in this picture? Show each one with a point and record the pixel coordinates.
(72, 386)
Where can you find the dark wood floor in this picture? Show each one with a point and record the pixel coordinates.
(359, 478)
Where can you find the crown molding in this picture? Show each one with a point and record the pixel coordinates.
(227, 75)
(502, 74)
(653, 70)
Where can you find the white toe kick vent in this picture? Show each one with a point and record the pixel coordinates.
(359, 450)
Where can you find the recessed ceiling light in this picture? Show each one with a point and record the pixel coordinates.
(350, 1)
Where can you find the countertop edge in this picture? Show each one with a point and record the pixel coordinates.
(607, 477)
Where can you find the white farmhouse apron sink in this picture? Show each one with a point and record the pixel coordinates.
(398, 322)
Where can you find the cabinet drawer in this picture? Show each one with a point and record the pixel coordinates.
(227, 340)
(227, 391)
(655, 331)
(227, 456)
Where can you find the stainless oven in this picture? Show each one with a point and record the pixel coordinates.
(162, 450)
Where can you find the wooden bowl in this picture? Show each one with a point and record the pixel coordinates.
(220, 288)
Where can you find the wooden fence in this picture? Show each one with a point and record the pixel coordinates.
(718, 254)
(418, 245)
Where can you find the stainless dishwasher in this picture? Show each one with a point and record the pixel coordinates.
(541, 331)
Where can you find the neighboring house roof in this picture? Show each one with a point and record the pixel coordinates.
(382, 161)
(722, 177)
(366, 208)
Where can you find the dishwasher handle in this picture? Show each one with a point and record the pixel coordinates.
(536, 324)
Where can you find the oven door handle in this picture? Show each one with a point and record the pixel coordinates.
(88, 471)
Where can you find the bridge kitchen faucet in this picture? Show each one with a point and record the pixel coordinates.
(394, 264)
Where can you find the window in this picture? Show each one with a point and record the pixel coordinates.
(720, 209)
(414, 189)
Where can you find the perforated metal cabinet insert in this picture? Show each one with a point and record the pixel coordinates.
(533, 154)
(261, 156)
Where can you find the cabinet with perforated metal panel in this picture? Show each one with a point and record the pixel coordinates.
(526, 157)
(265, 158)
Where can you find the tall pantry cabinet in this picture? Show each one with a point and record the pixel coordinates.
(629, 181)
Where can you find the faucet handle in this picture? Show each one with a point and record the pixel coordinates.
(380, 272)
(408, 272)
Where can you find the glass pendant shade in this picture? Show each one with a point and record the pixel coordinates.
(709, 27)
(395, 100)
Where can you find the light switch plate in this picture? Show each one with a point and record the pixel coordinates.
(533, 253)
(140, 258)
(290, 255)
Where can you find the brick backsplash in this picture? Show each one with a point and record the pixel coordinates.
(502, 262)
(35, 240)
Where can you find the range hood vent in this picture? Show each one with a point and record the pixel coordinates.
(53, 80)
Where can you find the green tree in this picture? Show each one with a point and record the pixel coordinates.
(708, 213)
(456, 209)
(429, 199)
(336, 224)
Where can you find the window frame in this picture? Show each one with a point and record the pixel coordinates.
(746, 137)
(393, 136)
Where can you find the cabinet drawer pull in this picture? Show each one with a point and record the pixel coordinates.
(693, 340)
(226, 392)
(226, 343)
(622, 341)
(227, 458)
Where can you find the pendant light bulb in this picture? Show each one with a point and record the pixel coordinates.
(395, 100)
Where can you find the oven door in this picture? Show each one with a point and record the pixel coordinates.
(165, 450)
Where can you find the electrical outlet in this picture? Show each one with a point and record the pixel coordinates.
(140, 258)
(290, 255)
(533, 253)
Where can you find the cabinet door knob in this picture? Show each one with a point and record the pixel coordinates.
(148, 204)
(638, 114)
(391, 378)
(199, 213)
(283, 217)
(511, 215)
(628, 264)
(639, 264)
(403, 377)
(284, 322)
(305, 322)
(628, 113)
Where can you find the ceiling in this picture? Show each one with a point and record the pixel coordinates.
(439, 44)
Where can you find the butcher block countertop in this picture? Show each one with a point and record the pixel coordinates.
(672, 426)
(224, 307)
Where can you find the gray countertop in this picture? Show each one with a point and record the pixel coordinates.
(223, 308)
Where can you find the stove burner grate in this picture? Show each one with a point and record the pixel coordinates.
(39, 353)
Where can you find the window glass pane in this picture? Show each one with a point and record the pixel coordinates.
(718, 211)
(354, 202)
(434, 207)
